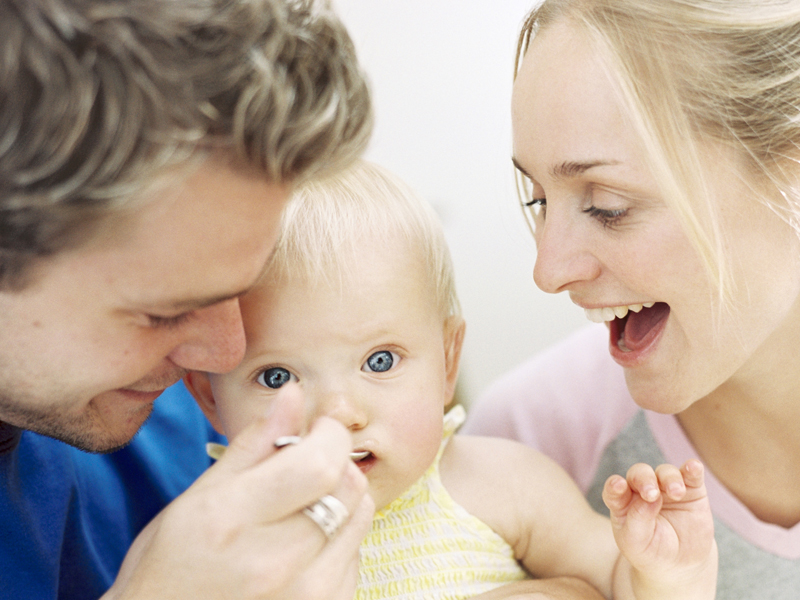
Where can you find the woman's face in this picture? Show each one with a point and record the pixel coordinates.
(605, 235)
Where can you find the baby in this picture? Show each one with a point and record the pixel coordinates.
(358, 307)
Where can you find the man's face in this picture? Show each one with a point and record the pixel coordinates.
(87, 347)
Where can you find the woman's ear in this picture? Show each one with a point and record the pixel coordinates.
(454, 328)
(199, 386)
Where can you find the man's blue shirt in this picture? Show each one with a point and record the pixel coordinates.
(68, 517)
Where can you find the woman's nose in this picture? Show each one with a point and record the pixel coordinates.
(564, 257)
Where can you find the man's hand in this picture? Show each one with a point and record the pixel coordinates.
(239, 530)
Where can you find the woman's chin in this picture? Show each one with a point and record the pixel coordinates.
(651, 393)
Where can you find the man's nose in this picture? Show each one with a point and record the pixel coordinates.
(215, 340)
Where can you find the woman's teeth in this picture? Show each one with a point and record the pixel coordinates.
(609, 313)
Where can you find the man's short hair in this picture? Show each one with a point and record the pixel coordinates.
(98, 97)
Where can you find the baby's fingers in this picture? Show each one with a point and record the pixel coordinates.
(617, 494)
(633, 518)
(693, 474)
(643, 480)
(670, 480)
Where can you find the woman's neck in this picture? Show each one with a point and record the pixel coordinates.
(747, 433)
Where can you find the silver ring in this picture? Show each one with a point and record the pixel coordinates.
(329, 513)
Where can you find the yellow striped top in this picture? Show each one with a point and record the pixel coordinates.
(424, 545)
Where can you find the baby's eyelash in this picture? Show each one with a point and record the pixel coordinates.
(608, 218)
(536, 202)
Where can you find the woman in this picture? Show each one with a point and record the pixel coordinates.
(658, 141)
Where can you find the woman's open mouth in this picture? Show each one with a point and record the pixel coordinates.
(635, 331)
(632, 329)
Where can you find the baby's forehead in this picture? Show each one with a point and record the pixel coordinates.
(337, 259)
(365, 256)
(349, 266)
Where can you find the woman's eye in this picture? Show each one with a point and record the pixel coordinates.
(608, 218)
(380, 362)
(537, 208)
(537, 204)
(274, 378)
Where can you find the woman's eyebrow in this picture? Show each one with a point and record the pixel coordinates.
(568, 169)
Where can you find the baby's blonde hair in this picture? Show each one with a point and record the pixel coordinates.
(696, 70)
(327, 219)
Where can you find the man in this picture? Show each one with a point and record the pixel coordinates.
(147, 148)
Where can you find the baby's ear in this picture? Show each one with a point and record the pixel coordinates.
(454, 328)
(199, 386)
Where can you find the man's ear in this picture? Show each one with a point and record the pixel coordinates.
(199, 386)
(454, 328)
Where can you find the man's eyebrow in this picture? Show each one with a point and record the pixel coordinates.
(191, 304)
(198, 303)
(568, 169)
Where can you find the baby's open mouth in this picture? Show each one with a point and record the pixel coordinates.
(364, 460)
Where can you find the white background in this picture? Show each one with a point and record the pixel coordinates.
(441, 73)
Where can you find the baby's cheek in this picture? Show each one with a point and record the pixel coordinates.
(424, 441)
(236, 418)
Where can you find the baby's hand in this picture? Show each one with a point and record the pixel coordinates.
(662, 520)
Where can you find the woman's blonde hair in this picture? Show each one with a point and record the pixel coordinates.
(327, 220)
(692, 71)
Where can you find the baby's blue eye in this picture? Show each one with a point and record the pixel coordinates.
(380, 361)
(274, 378)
